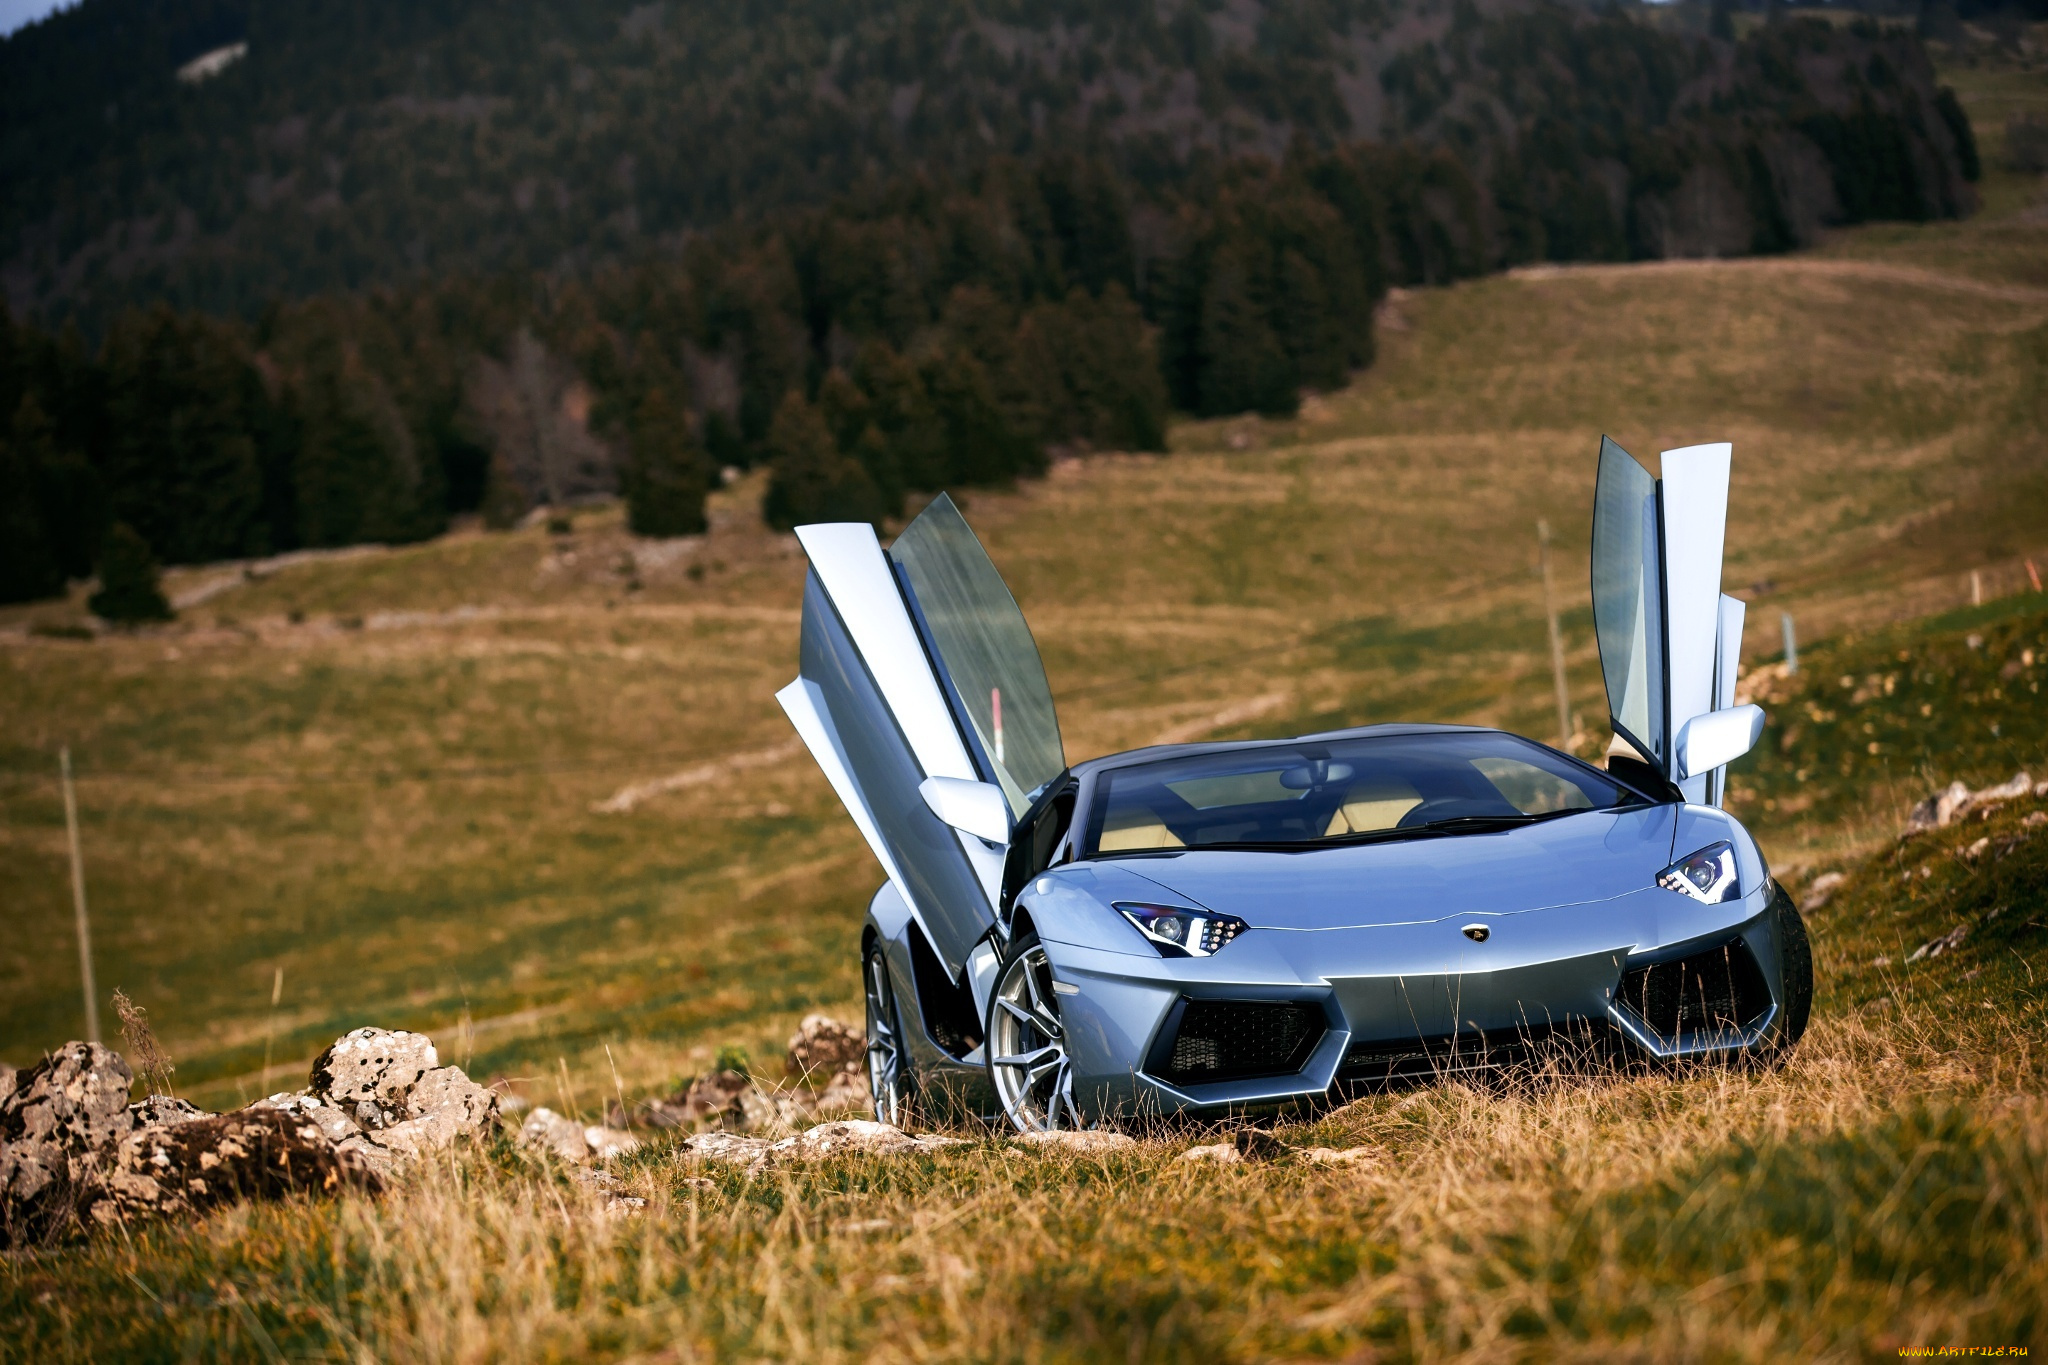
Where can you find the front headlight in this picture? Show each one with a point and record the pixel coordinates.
(1708, 876)
(1177, 932)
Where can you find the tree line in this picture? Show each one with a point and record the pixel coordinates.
(933, 328)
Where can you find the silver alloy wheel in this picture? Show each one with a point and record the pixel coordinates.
(1027, 1046)
(885, 1044)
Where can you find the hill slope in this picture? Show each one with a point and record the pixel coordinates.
(356, 144)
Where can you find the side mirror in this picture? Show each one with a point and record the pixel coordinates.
(977, 808)
(1706, 742)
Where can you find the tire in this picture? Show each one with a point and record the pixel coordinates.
(890, 1078)
(1795, 956)
(1026, 1043)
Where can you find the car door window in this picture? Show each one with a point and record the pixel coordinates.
(986, 656)
(1628, 598)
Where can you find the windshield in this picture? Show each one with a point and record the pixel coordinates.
(1340, 791)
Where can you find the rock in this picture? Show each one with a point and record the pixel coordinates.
(1335, 1156)
(1822, 890)
(71, 1143)
(848, 1089)
(2020, 784)
(547, 1131)
(370, 1072)
(557, 1133)
(731, 1100)
(392, 1086)
(609, 1142)
(163, 1111)
(60, 1121)
(842, 1138)
(824, 1044)
(863, 1136)
(444, 1105)
(2035, 818)
(1939, 809)
(204, 1162)
(727, 1147)
(1220, 1153)
(328, 1118)
(1092, 1141)
(614, 1202)
(1935, 947)
(1944, 806)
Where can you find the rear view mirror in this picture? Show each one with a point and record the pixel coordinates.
(1315, 773)
(977, 808)
(1706, 742)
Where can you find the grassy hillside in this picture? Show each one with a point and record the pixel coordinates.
(377, 771)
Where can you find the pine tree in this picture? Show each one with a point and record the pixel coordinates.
(28, 568)
(667, 475)
(1243, 367)
(128, 580)
(809, 479)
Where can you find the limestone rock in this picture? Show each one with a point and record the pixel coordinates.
(823, 1044)
(604, 1142)
(204, 1162)
(1822, 890)
(444, 1105)
(1945, 943)
(558, 1133)
(1094, 1142)
(370, 1072)
(402, 1102)
(1218, 1153)
(723, 1146)
(1942, 808)
(1339, 1156)
(59, 1123)
(614, 1201)
(1938, 809)
(848, 1089)
(332, 1122)
(849, 1136)
(843, 1138)
(731, 1100)
(163, 1111)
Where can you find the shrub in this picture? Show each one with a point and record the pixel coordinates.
(128, 580)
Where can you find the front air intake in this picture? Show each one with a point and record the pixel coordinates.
(1721, 990)
(1234, 1040)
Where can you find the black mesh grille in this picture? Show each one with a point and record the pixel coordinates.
(1423, 1058)
(1227, 1040)
(1717, 991)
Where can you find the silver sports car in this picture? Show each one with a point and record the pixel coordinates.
(1217, 927)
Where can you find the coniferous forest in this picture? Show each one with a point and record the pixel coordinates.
(391, 263)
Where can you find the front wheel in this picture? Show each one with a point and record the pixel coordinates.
(1027, 1043)
(888, 1061)
(1795, 951)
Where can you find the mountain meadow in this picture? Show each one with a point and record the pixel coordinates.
(492, 755)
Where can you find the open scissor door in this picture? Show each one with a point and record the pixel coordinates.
(916, 663)
(1669, 639)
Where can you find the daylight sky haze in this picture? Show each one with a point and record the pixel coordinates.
(15, 13)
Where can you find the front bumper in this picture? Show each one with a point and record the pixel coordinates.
(1639, 970)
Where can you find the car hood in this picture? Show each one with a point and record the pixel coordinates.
(1572, 860)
